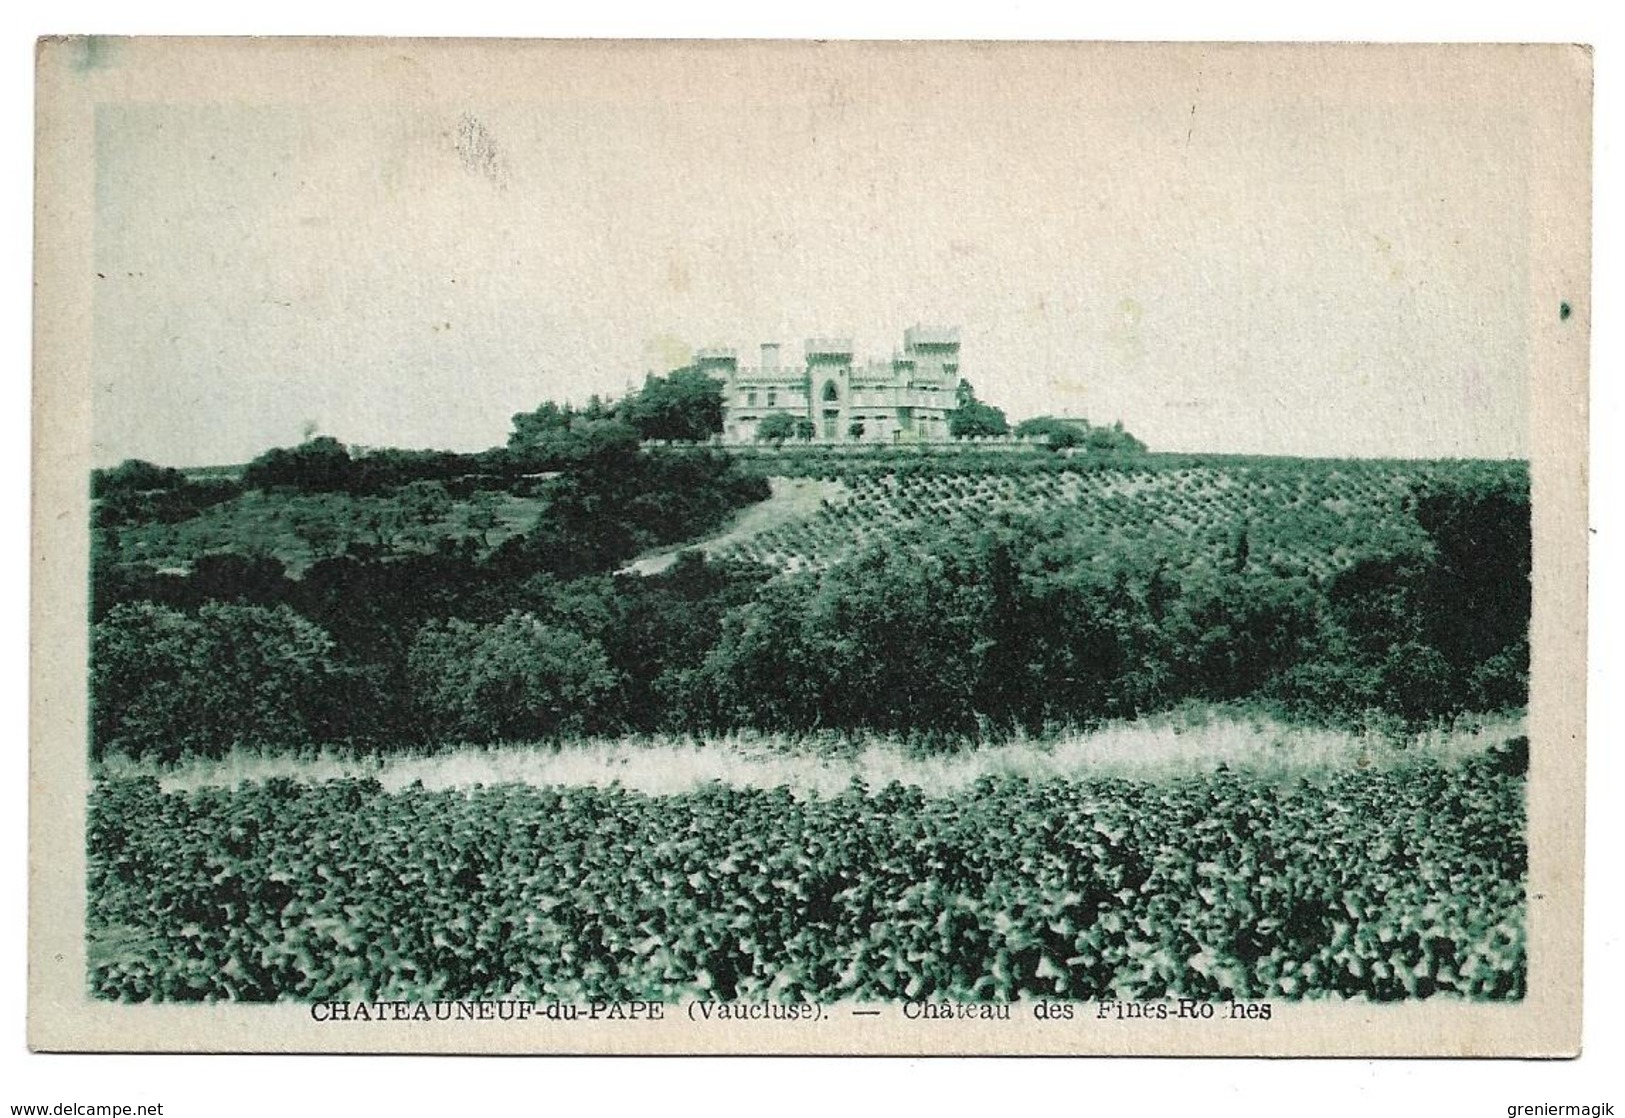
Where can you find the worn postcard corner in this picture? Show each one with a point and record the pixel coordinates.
(791, 547)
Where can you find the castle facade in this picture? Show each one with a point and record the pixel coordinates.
(905, 398)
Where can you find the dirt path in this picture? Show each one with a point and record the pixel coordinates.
(792, 499)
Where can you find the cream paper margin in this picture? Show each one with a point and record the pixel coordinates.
(1552, 82)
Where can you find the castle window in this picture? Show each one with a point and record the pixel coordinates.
(772, 397)
(830, 391)
(750, 399)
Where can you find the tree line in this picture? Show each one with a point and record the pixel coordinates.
(936, 635)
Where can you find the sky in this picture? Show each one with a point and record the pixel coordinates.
(1223, 254)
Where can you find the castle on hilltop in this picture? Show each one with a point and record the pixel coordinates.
(906, 398)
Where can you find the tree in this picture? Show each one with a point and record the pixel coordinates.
(886, 640)
(555, 435)
(1112, 440)
(541, 428)
(482, 517)
(318, 466)
(973, 419)
(166, 684)
(855, 429)
(134, 476)
(518, 679)
(683, 406)
(1475, 597)
(322, 524)
(1068, 434)
(228, 576)
(778, 427)
(765, 670)
(1061, 434)
(425, 506)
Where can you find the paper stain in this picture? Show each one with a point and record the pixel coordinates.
(664, 352)
(478, 151)
(1385, 249)
(1123, 335)
(406, 77)
(94, 52)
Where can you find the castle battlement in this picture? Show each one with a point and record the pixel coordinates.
(916, 338)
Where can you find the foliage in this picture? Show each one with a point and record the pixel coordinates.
(165, 684)
(1444, 628)
(383, 470)
(658, 631)
(891, 641)
(974, 419)
(516, 679)
(934, 599)
(320, 465)
(777, 428)
(554, 437)
(135, 492)
(601, 516)
(1379, 884)
(134, 476)
(1112, 440)
(1061, 434)
(683, 406)
(118, 508)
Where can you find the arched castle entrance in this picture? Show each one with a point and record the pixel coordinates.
(832, 410)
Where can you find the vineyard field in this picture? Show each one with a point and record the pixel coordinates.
(1308, 517)
(1378, 884)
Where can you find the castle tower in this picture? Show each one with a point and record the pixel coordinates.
(721, 364)
(829, 376)
(718, 362)
(935, 351)
(931, 353)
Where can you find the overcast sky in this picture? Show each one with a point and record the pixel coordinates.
(1221, 257)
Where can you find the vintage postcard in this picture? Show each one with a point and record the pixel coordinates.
(809, 547)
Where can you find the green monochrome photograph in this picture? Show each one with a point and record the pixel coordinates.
(796, 547)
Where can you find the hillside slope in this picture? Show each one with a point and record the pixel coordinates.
(793, 501)
(1290, 516)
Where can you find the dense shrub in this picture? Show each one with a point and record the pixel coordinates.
(134, 476)
(117, 506)
(319, 465)
(515, 680)
(165, 684)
